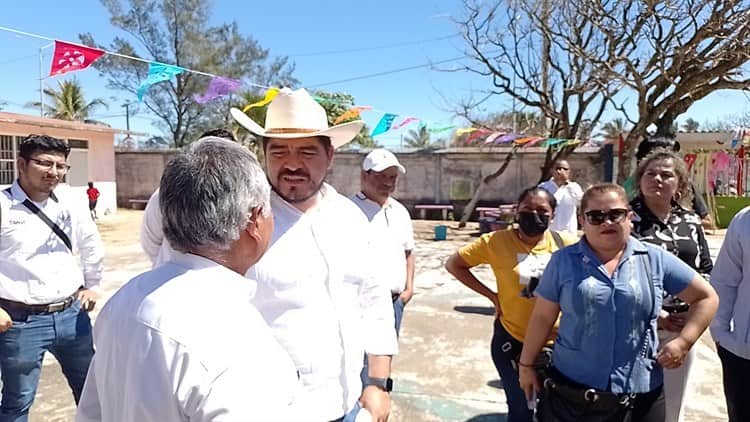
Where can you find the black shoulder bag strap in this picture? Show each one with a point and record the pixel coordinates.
(10, 195)
(42, 216)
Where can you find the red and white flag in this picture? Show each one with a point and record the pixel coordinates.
(71, 57)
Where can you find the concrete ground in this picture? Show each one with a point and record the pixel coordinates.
(443, 372)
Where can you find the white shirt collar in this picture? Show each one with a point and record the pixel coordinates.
(196, 262)
(362, 197)
(19, 195)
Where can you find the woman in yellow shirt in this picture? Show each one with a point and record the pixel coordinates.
(517, 257)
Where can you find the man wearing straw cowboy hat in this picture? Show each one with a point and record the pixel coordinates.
(319, 289)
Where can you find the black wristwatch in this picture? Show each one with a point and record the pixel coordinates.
(385, 383)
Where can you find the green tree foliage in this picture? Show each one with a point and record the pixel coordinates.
(68, 102)
(178, 32)
(335, 104)
(418, 138)
(690, 125)
(613, 129)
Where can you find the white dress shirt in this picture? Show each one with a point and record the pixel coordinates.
(568, 197)
(320, 291)
(731, 325)
(36, 267)
(183, 343)
(392, 222)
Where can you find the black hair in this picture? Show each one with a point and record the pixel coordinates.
(219, 133)
(536, 190)
(650, 144)
(33, 144)
(324, 140)
(91, 184)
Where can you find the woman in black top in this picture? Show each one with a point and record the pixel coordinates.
(662, 216)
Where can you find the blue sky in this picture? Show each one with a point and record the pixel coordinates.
(302, 30)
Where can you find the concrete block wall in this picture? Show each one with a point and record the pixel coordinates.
(446, 176)
(139, 173)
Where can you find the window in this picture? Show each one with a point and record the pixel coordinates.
(8, 153)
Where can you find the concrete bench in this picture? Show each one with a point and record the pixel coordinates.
(488, 212)
(138, 204)
(497, 212)
(422, 208)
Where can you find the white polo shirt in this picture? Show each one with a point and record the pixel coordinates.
(392, 223)
(183, 343)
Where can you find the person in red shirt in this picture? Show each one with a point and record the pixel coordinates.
(93, 194)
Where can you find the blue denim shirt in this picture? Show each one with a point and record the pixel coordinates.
(608, 322)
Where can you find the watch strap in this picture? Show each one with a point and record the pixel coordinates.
(384, 383)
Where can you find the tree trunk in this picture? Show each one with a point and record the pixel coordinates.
(485, 181)
(627, 155)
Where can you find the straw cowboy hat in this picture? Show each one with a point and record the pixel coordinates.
(295, 114)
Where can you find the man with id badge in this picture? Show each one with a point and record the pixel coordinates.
(45, 295)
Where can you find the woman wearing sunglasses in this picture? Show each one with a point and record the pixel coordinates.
(607, 361)
(662, 216)
(517, 257)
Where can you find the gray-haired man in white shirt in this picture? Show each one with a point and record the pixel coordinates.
(317, 288)
(182, 342)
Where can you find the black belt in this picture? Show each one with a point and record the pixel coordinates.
(37, 309)
(590, 397)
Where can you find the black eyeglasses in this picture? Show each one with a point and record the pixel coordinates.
(597, 217)
(47, 165)
(562, 168)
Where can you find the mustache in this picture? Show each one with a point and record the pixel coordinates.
(295, 173)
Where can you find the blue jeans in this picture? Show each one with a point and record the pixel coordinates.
(352, 416)
(398, 314)
(65, 334)
(518, 410)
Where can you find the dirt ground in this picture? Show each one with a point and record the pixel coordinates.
(443, 372)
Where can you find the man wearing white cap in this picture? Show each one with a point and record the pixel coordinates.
(325, 299)
(390, 219)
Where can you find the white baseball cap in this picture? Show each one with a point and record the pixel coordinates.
(380, 159)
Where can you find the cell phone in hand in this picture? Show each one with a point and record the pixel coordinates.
(89, 305)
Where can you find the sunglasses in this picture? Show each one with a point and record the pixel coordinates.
(597, 217)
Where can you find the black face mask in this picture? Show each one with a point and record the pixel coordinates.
(532, 224)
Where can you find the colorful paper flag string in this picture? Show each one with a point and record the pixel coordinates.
(384, 125)
(465, 130)
(477, 134)
(439, 129)
(271, 93)
(157, 72)
(72, 57)
(218, 87)
(491, 139)
(406, 121)
(352, 113)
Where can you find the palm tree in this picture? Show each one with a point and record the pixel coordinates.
(690, 125)
(68, 102)
(613, 129)
(418, 138)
